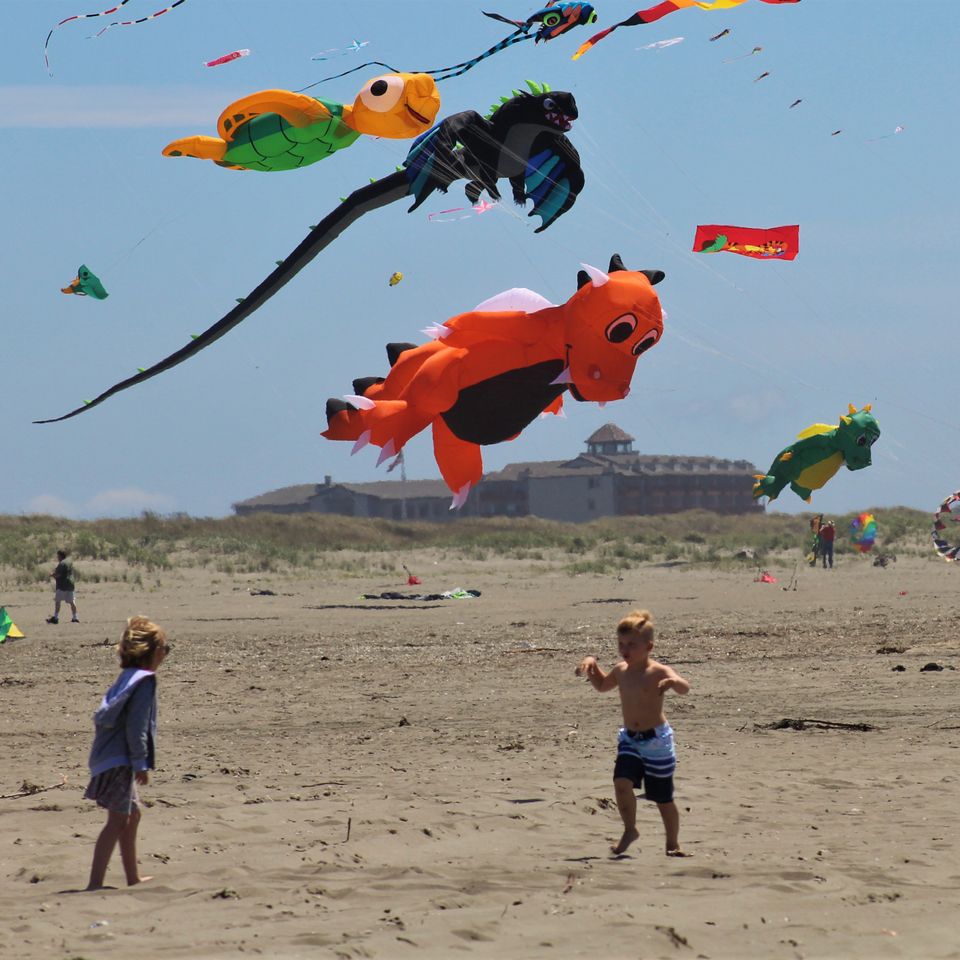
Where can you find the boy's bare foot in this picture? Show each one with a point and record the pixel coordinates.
(92, 887)
(139, 880)
(677, 852)
(628, 837)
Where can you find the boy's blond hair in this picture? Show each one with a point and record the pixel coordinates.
(639, 623)
(140, 641)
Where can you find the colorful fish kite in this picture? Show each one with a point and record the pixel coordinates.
(103, 13)
(951, 506)
(863, 532)
(555, 19)
(227, 58)
(282, 130)
(487, 374)
(353, 47)
(652, 14)
(818, 453)
(523, 141)
(773, 243)
(86, 284)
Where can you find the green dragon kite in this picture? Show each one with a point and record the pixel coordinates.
(819, 453)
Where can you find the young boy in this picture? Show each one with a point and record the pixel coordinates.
(645, 754)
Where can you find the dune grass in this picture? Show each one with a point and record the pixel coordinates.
(275, 543)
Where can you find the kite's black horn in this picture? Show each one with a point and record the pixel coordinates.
(583, 278)
(615, 264)
(654, 276)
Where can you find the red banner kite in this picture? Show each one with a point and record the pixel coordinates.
(771, 243)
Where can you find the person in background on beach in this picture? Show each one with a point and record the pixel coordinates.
(827, 533)
(645, 751)
(124, 747)
(64, 587)
(815, 539)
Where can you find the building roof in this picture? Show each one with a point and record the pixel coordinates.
(302, 493)
(593, 464)
(610, 433)
(285, 496)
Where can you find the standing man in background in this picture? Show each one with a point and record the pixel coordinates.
(827, 532)
(64, 587)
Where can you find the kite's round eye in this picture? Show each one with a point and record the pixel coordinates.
(551, 19)
(645, 344)
(549, 103)
(862, 440)
(620, 329)
(382, 93)
(592, 18)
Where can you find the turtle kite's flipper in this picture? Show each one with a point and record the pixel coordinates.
(374, 195)
(199, 147)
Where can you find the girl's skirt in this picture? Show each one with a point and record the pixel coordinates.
(115, 790)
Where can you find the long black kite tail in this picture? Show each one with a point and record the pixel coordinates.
(377, 194)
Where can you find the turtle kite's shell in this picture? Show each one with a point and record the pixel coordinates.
(269, 143)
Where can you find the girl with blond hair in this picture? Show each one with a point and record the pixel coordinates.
(124, 746)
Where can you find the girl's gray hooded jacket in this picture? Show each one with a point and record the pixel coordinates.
(126, 723)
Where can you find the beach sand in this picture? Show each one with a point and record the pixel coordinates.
(347, 778)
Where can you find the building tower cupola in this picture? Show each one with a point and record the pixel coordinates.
(609, 439)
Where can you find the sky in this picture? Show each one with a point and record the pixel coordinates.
(753, 352)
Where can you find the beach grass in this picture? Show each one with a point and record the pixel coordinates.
(152, 544)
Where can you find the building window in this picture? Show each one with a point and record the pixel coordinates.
(396, 511)
(591, 505)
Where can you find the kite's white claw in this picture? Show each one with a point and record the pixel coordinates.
(361, 442)
(460, 497)
(437, 331)
(562, 377)
(389, 450)
(601, 403)
(361, 403)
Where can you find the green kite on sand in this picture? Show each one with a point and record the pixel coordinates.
(7, 627)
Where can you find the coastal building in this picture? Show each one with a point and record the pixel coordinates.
(608, 479)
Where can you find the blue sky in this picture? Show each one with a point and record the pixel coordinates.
(752, 353)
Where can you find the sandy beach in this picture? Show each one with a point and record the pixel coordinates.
(352, 778)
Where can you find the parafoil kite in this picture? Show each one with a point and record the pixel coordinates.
(488, 373)
(863, 532)
(103, 13)
(764, 243)
(555, 18)
(86, 284)
(951, 506)
(282, 130)
(654, 13)
(523, 141)
(819, 453)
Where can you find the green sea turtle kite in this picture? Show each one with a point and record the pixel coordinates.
(282, 130)
(819, 453)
